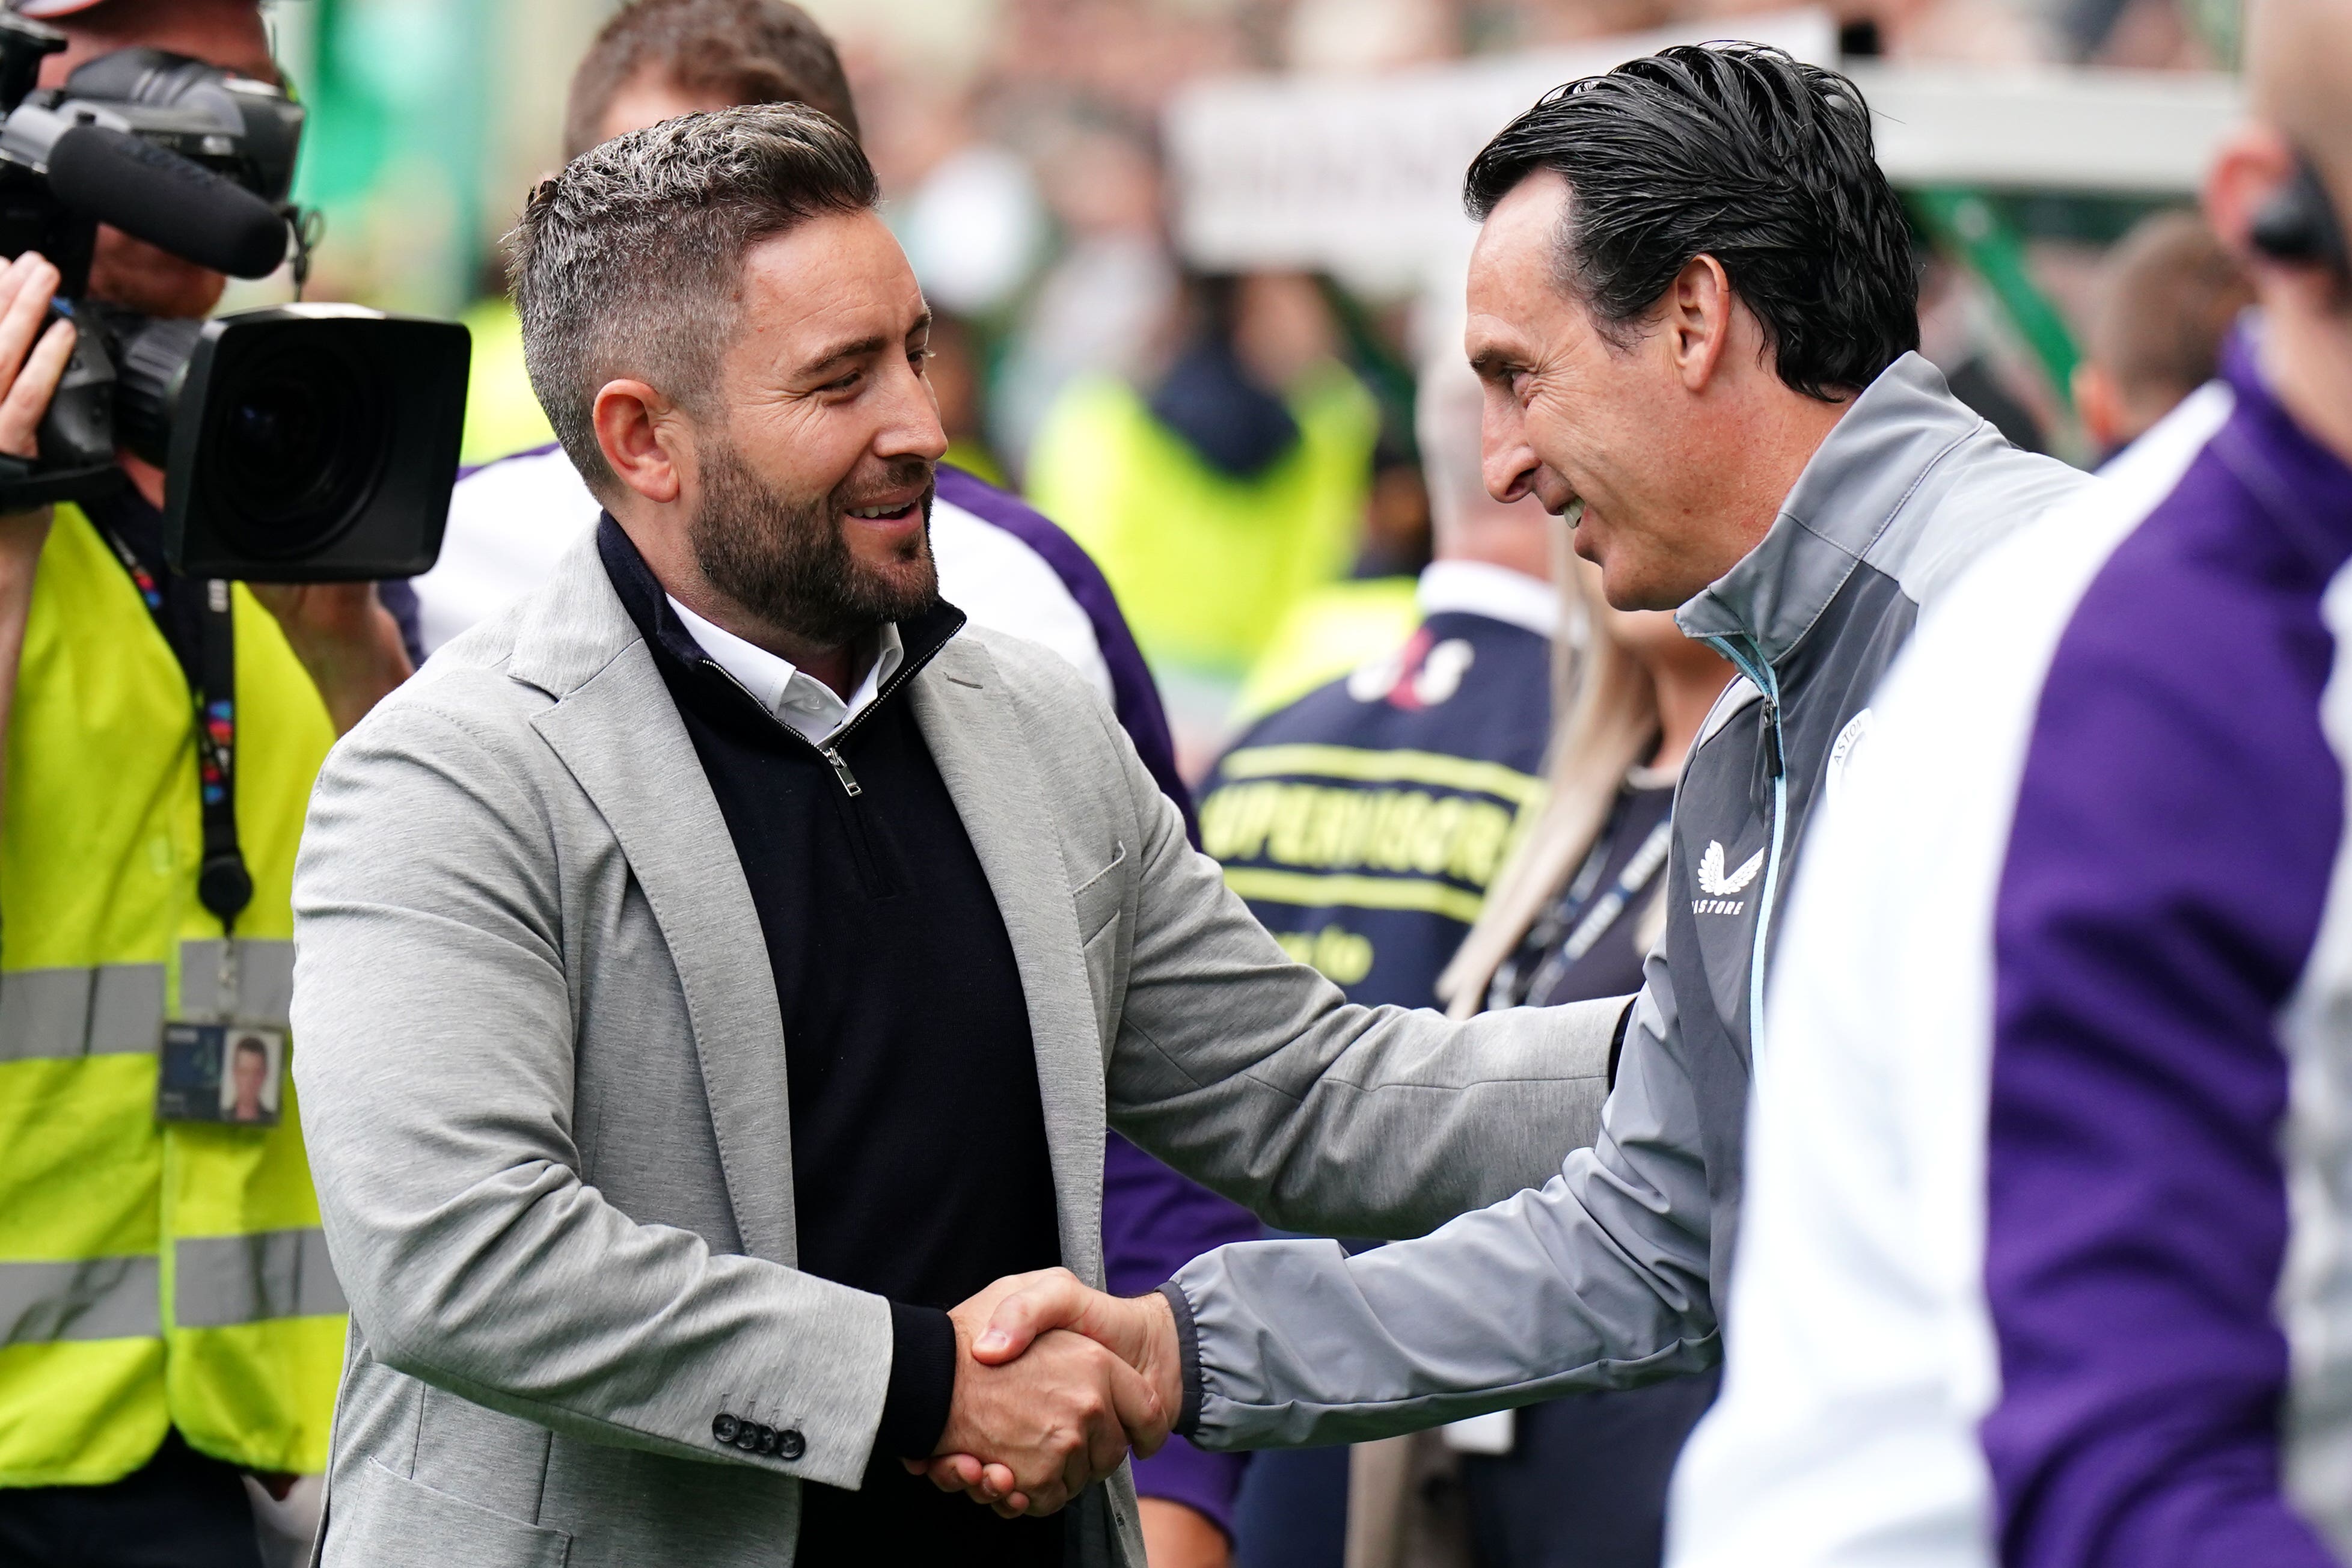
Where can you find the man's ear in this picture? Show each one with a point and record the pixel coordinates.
(2100, 402)
(1698, 312)
(2249, 169)
(643, 438)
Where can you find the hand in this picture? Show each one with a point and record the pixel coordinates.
(344, 637)
(1026, 1310)
(1054, 1423)
(961, 1472)
(32, 359)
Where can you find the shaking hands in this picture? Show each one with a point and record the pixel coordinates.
(1054, 1382)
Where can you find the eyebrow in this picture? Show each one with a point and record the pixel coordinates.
(860, 348)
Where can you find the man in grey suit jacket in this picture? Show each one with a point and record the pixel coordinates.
(719, 910)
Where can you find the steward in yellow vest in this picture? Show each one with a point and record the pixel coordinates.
(1212, 503)
(152, 1273)
(168, 1316)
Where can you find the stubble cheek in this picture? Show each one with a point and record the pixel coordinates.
(901, 568)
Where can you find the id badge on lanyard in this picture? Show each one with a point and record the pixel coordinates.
(221, 1068)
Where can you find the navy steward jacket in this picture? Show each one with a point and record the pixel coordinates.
(1363, 822)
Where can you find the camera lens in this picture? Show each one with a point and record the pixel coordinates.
(300, 443)
(296, 452)
(279, 442)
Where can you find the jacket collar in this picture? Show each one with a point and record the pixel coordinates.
(1900, 426)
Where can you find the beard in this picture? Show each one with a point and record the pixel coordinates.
(788, 560)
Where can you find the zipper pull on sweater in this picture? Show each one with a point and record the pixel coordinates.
(849, 784)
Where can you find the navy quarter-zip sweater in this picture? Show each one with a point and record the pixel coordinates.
(920, 1170)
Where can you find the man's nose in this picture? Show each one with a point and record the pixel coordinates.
(1505, 461)
(911, 425)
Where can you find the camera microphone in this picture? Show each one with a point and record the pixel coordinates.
(299, 443)
(167, 200)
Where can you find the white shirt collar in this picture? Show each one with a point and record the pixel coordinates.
(796, 697)
(1498, 592)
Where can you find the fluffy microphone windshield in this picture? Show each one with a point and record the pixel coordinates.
(167, 200)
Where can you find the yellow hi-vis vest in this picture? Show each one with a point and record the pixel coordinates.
(151, 1276)
(1206, 565)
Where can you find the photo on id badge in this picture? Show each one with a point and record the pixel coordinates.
(221, 1072)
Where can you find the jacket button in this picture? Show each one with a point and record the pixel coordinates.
(767, 1436)
(747, 1436)
(725, 1427)
(790, 1444)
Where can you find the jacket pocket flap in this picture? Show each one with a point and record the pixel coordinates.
(1099, 897)
(376, 1516)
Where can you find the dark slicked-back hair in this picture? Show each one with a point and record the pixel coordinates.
(1733, 151)
(734, 52)
(628, 263)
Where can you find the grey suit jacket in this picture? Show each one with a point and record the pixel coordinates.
(542, 1081)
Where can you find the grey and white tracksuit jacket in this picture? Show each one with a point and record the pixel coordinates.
(1611, 1273)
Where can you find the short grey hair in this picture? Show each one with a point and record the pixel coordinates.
(629, 262)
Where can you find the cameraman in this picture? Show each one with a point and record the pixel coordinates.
(168, 1318)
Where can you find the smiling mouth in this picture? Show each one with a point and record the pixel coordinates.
(896, 511)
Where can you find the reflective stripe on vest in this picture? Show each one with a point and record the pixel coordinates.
(222, 1279)
(216, 1280)
(49, 1012)
(93, 1299)
(118, 1007)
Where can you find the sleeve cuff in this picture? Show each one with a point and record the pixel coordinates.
(1617, 1038)
(922, 1382)
(1188, 1357)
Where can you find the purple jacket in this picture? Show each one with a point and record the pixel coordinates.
(2063, 1019)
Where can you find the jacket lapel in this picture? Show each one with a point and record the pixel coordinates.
(975, 738)
(615, 727)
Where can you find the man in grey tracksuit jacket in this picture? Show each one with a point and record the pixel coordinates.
(1611, 1273)
(1720, 369)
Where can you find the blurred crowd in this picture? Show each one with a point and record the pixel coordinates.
(1237, 451)
(1433, 761)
